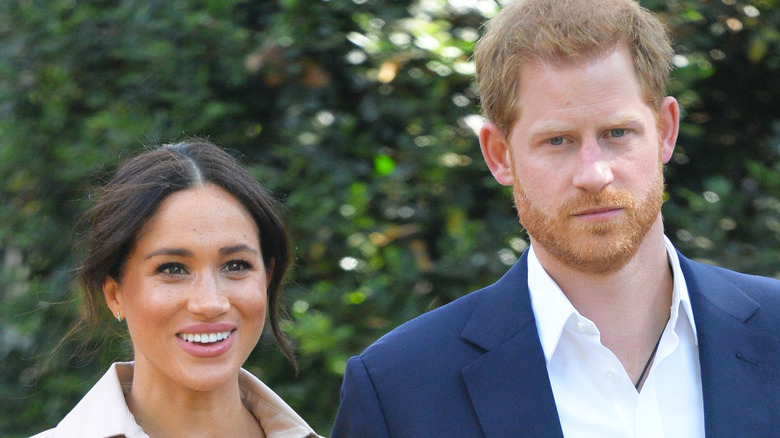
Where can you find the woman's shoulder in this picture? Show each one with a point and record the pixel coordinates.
(276, 417)
(102, 411)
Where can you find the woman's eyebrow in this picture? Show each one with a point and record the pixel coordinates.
(237, 248)
(170, 252)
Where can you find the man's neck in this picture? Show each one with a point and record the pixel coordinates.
(630, 306)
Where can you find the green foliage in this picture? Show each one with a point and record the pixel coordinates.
(360, 115)
(722, 178)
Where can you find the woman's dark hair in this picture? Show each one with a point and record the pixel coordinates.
(131, 198)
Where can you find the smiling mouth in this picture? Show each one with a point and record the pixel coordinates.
(204, 338)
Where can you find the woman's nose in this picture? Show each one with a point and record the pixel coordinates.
(208, 298)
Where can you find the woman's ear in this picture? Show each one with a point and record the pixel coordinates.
(269, 272)
(495, 150)
(112, 291)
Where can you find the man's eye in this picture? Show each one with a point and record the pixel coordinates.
(171, 269)
(617, 132)
(556, 141)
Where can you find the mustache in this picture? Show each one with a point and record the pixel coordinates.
(606, 198)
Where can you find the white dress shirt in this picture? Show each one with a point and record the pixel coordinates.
(594, 395)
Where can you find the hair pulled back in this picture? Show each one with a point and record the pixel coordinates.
(132, 197)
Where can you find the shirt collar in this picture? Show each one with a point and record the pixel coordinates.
(552, 309)
(680, 296)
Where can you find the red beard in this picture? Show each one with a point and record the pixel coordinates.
(598, 248)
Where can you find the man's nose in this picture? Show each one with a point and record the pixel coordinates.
(208, 297)
(594, 169)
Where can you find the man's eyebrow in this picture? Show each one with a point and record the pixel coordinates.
(624, 120)
(237, 248)
(549, 129)
(169, 252)
(555, 128)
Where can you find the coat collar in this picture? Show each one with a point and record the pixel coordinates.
(508, 385)
(276, 417)
(103, 412)
(739, 364)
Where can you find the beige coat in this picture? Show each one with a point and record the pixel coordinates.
(103, 412)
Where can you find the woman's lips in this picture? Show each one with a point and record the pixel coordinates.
(210, 349)
(206, 340)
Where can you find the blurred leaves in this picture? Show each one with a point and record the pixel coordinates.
(361, 117)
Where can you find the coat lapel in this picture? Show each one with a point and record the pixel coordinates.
(508, 384)
(739, 365)
(511, 392)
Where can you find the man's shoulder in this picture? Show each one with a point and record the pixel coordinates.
(400, 364)
(756, 298)
(436, 329)
(465, 325)
(756, 286)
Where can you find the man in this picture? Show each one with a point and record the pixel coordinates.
(601, 329)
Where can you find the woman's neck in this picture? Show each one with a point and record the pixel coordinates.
(166, 409)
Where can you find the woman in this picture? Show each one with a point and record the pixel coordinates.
(186, 248)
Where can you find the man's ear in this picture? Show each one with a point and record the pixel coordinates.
(495, 150)
(669, 117)
(112, 291)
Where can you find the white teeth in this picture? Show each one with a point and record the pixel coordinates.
(204, 338)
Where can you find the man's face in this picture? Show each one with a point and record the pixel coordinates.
(586, 162)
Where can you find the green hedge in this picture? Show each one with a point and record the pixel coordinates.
(360, 116)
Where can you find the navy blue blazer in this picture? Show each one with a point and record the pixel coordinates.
(475, 367)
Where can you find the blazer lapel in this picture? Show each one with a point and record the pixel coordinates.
(508, 385)
(739, 365)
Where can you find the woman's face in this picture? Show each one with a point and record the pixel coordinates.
(193, 291)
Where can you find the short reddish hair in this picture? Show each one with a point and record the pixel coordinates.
(566, 32)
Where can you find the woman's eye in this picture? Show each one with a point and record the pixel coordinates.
(171, 269)
(556, 141)
(617, 132)
(237, 266)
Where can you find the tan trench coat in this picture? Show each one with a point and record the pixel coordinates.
(103, 412)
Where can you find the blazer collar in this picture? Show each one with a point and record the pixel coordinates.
(508, 384)
(504, 309)
(739, 364)
(511, 392)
